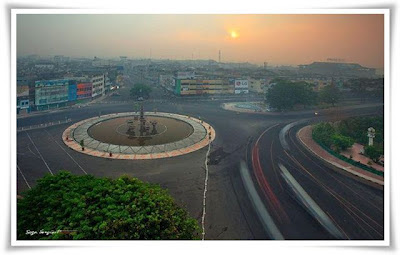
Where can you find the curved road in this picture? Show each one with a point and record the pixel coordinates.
(355, 208)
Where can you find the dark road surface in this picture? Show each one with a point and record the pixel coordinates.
(356, 208)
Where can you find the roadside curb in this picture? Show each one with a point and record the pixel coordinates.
(358, 174)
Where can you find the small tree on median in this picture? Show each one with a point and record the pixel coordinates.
(341, 142)
(372, 152)
(323, 132)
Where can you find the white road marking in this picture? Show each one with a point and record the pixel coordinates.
(204, 194)
(262, 212)
(83, 170)
(40, 154)
(23, 176)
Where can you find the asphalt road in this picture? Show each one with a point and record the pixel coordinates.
(229, 212)
(354, 207)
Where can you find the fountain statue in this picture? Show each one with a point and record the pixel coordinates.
(143, 125)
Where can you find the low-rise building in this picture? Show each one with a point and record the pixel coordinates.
(72, 90)
(241, 86)
(84, 90)
(23, 99)
(53, 93)
(202, 87)
(256, 86)
(107, 85)
(98, 82)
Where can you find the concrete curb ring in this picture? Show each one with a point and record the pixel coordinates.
(202, 135)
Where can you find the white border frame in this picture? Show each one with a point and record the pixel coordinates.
(191, 244)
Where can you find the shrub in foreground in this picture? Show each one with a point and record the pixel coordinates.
(66, 206)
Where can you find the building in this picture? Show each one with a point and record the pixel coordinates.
(107, 85)
(241, 86)
(72, 92)
(84, 90)
(98, 82)
(202, 87)
(337, 69)
(23, 99)
(257, 85)
(185, 75)
(53, 93)
(44, 66)
(167, 81)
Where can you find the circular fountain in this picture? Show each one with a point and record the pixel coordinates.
(139, 135)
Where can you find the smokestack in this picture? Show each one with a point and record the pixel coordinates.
(219, 56)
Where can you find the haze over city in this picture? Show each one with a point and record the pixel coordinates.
(276, 39)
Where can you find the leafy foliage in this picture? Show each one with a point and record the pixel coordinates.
(284, 95)
(357, 129)
(373, 152)
(93, 208)
(330, 94)
(323, 132)
(365, 87)
(341, 142)
(140, 90)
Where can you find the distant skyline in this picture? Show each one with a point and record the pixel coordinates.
(289, 39)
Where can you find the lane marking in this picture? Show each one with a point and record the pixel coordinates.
(40, 154)
(83, 170)
(310, 205)
(303, 150)
(345, 200)
(262, 212)
(339, 198)
(205, 192)
(23, 176)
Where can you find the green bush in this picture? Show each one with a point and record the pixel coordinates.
(323, 132)
(350, 161)
(93, 208)
(372, 152)
(357, 127)
(341, 142)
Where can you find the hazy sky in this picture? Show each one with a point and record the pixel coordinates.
(276, 39)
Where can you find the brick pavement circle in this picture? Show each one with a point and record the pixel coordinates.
(79, 131)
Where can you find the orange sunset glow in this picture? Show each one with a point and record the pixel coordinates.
(278, 39)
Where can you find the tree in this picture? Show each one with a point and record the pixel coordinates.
(304, 93)
(140, 90)
(330, 94)
(357, 128)
(341, 142)
(90, 208)
(284, 95)
(358, 87)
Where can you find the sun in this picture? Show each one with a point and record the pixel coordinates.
(234, 34)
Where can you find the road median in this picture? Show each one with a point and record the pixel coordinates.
(305, 137)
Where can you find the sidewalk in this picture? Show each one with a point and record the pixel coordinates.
(61, 109)
(305, 137)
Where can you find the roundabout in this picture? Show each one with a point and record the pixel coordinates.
(138, 135)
